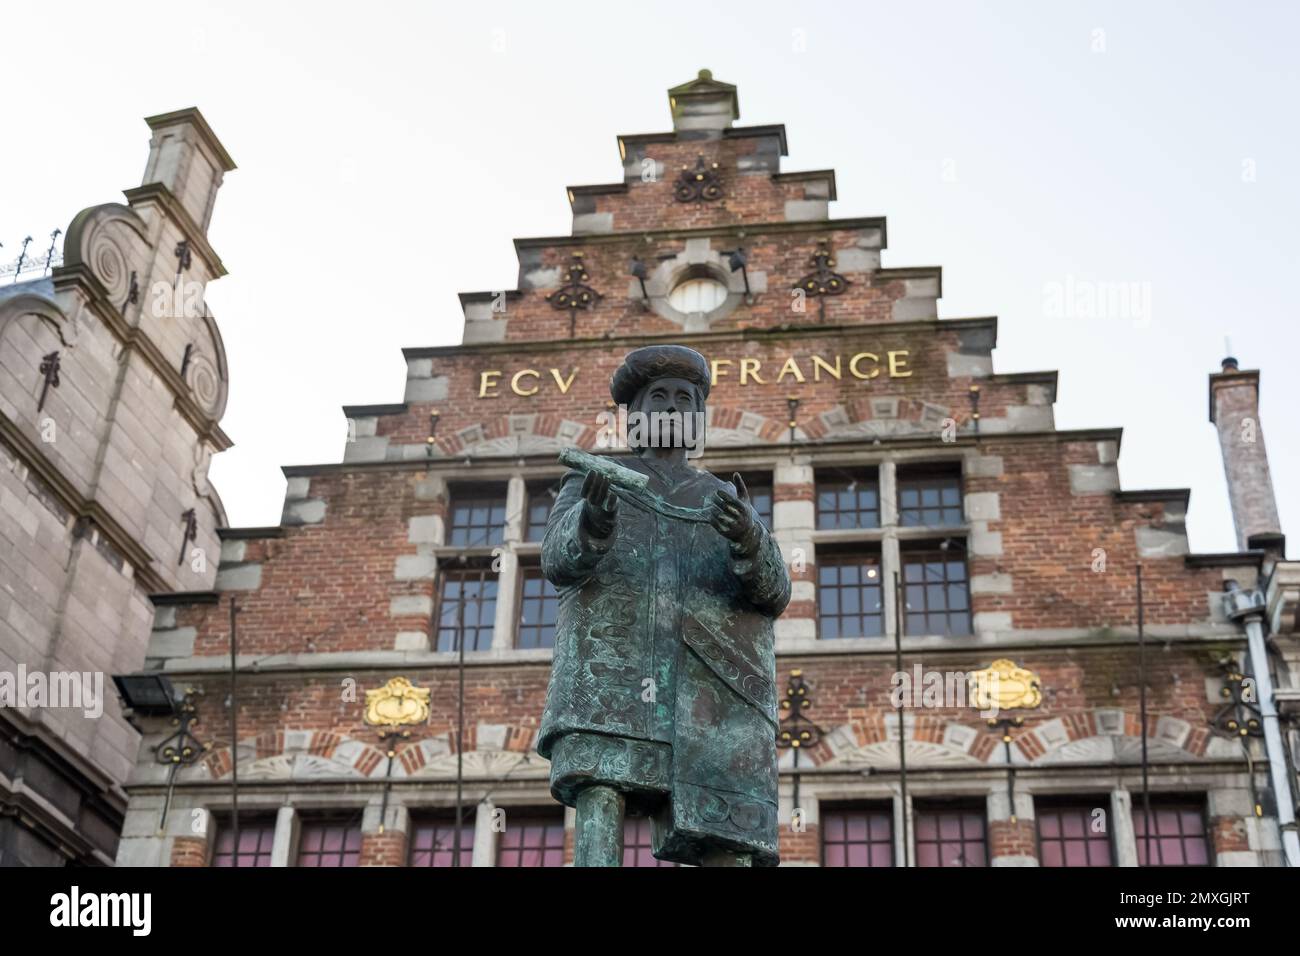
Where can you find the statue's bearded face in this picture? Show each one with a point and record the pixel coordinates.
(671, 412)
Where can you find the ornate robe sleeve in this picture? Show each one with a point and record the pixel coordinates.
(764, 577)
(569, 553)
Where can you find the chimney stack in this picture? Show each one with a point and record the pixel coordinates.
(1234, 410)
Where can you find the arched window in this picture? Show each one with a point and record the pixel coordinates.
(698, 295)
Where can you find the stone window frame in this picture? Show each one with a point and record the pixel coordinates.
(530, 570)
(869, 808)
(667, 279)
(349, 823)
(927, 550)
(490, 492)
(481, 569)
(554, 816)
(1085, 807)
(433, 819)
(863, 555)
(987, 791)
(533, 490)
(850, 478)
(223, 824)
(516, 551)
(698, 281)
(919, 476)
(506, 560)
(1183, 802)
(964, 808)
(479, 812)
(891, 536)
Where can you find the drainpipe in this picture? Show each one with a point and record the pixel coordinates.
(1246, 608)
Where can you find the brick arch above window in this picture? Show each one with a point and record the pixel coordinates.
(491, 749)
(1102, 735)
(878, 416)
(515, 434)
(729, 426)
(294, 754)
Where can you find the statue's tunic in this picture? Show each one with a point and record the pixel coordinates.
(663, 684)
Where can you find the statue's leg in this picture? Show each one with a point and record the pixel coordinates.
(598, 836)
(727, 858)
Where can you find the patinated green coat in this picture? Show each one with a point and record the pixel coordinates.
(664, 678)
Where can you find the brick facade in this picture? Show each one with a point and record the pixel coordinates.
(350, 590)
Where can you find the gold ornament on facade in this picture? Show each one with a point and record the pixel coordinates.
(397, 704)
(1004, 686)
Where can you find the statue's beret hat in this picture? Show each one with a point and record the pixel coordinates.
(644, 365)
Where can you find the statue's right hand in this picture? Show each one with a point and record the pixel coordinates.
(599, 506)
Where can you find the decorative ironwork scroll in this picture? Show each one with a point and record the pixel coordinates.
(703, 183)
(575, 293)
(823, 280)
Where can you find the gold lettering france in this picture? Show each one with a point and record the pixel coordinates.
(860, 366)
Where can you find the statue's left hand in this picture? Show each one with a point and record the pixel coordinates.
(732, 518)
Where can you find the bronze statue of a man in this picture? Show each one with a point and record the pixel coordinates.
(662, 699)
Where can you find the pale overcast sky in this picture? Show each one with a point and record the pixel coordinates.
(389, 152)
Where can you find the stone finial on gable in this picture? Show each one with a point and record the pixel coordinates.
(704, 104)
(186, 157)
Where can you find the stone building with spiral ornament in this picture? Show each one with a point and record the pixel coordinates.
(113, 383)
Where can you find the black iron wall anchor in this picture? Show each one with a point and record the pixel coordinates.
(701, 184)
(389, 738)
(50, 373)
(796, 731)
(1004, 726)
(133, 294)
(1240, 718)
(574, 293)
(1240, 714)
(185, 359)
(191, 525)
(183, 257)
(823, 280)
(181, 749)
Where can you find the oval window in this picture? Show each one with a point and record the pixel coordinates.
(698, 295)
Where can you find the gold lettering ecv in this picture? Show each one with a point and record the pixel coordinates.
(514, 382)
(563, 383)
